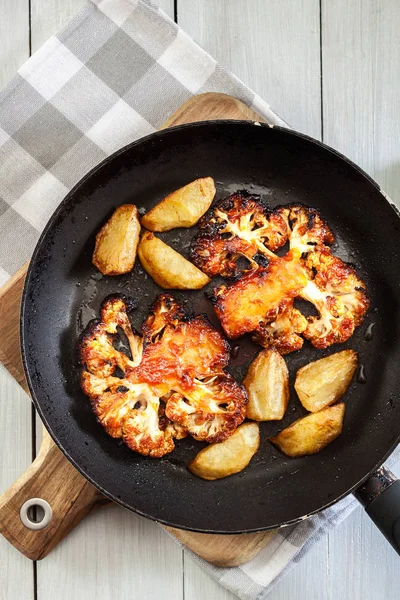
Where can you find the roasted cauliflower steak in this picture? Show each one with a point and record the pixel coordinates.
(173, 383)
(259, 299)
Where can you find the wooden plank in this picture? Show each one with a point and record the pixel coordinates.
(368, 568)
(10, 302)
(167, 6)
(308, 579)
(271, 46)
(113, 554)
(14, 37)
(361, 79)
(16, 575)
(49, 16)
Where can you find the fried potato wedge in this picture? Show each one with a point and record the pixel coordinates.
(117, 242)
(228, 457)
(312, 433)
(323, 382)
(267, 386)
(167, 267)
(182, 208)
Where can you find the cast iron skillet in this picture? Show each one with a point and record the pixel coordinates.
(63, 292)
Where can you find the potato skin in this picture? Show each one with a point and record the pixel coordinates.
(182, 208)
(117, 242)
(167, 267)
(311, 433)
(322, 382)
(229, 457)
(267, 386)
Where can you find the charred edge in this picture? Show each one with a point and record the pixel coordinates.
(261, 260)
(129, 302)
(87, 335)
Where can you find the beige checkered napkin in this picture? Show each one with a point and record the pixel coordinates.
(115, 74)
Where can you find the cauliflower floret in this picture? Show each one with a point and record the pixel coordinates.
(259, 296)
(113, 312)
(209, 409)
(179, 347)
(238, 226)
(339, 296)
(98, 353)
(283, 332)
(141, 428)
(180, 357)
(306, 228)
(260, 300)
(96, 343)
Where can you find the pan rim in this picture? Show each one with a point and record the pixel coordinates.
(27, 283)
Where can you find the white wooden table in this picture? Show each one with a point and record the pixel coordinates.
(331, 68)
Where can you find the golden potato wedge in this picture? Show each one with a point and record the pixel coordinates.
(312, 433)
(167, 267)
(267, 385)
(182, 208)
(117, 242)
(228, 457)
(323, 382)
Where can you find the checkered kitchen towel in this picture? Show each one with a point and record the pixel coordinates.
(115, 74)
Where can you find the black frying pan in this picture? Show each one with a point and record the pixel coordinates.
(63, 292)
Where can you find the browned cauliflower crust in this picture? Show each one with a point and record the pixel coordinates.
(339, 296)
(260, 299)
(284, 331)
(173, 384)
(306, 228)
(210, 409)
(238, 226)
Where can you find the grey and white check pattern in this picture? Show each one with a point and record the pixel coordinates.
(115, 74)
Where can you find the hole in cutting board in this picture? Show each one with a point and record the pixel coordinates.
(35, 513)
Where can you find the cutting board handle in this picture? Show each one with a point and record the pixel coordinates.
(53, 484)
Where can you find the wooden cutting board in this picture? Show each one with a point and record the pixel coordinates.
(51, 476)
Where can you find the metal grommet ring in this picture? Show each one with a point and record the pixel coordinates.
(48, 513)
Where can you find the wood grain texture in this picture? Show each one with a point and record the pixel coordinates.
(10, 303)
(272, 46)
(167, 6)
(211, 106)
(16, 573)
(51, 476)
(14, 37)
(49, 16)
(113, 555)
(16, 576)
(224, 550)
(361, 78)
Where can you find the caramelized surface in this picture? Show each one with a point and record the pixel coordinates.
(173, 384)
(260, 300)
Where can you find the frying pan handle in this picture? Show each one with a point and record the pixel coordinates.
(380, 496)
